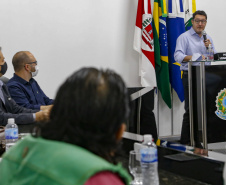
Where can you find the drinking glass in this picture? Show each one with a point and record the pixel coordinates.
(135, 167)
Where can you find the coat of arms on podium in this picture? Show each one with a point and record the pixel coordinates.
(221, 104)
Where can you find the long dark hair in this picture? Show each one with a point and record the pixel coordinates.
(89, 108)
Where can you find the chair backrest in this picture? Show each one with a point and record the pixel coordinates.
(4, 79)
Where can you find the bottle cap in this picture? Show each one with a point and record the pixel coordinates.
(11, 120)
(147, 137)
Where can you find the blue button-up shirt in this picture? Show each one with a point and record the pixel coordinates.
(27, 94)
(190, 43)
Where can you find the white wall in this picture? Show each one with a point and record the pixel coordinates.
(65, 35)
(216, 23)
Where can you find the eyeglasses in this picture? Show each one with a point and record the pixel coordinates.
(197, 21)
(33, 62)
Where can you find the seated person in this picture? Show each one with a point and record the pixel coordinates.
(23, 88)
(78, 144)
(9, 108)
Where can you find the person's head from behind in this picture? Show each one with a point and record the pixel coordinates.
(25, 64)
(199, 21)
(90, 110)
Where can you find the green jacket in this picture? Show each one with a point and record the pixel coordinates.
(37, 161)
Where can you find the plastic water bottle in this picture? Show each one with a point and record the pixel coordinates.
(210, 53)
(149, 162)
(11, 133)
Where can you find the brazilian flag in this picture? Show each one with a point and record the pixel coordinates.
(161, 50)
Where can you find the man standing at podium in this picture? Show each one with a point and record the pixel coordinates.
(191, 46)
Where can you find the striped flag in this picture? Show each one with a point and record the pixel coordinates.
(161, 50)
(175, 27)
(144, 44)
(189, 8)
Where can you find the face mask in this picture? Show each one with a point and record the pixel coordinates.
(4, 68)
(33, 74)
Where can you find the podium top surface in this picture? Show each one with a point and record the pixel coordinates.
(215, 62)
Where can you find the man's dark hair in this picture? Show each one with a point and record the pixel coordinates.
(199, 12)
(19, 60)
(89, 108)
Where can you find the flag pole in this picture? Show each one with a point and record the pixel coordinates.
(172, 112)
(157, 109)
(138, 113)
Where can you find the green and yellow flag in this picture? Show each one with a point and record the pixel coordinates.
(161, 50)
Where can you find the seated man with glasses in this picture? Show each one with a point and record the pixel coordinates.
(23, 88)
(191, 46)
(9, 108)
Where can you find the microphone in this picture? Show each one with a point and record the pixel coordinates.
(204, 36)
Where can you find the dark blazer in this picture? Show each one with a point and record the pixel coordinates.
(11, 110)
